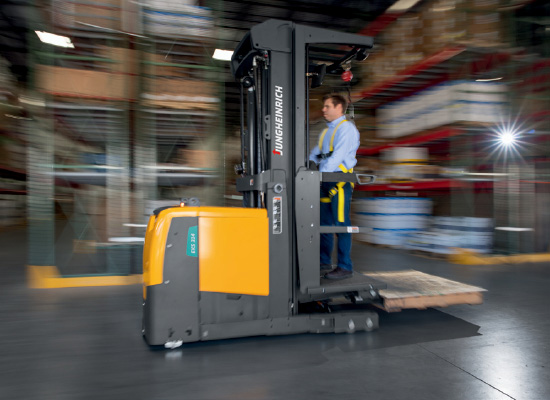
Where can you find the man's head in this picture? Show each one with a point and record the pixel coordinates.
(334, 106)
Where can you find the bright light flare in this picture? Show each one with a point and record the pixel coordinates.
(224, 55)
(56, 40)
(507, 141)
(508, 138)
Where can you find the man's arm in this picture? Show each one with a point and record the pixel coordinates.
(314, 155)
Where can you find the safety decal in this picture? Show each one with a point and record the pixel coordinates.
(192, 241)
(277, 215)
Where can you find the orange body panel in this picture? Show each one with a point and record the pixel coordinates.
(233, 248)
(234, 255)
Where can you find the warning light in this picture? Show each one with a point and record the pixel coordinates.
(347, 76)
(182, 204)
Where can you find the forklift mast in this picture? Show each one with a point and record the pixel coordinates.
(276, 63)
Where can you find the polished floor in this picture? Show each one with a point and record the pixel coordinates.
(72, 344)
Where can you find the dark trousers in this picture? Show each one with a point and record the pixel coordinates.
(329, 217)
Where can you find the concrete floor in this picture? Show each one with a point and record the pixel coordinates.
(86, 344)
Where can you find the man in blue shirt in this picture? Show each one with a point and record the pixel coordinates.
(335, 152)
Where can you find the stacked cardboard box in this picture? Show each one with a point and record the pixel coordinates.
(111, 76)
(163, 65)
(405, 40)
(444, 104)
(436, 25)
(195, 158)
(486, 24)
(60, 81)
(402, 164)
(447, 234)
(445, 23)
(118, 60)
(177, 18)
(533, 89)
(81, 14)
(180, 93)
(468, 22)
(391, 219)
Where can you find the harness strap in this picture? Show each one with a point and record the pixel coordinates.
(339, 188)
(346, 171)
(331, 146)
(341, 201)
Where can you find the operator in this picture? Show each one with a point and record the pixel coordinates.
(335, 152)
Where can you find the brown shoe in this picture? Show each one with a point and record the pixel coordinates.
(338, 273)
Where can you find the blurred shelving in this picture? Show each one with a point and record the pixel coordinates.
(419, 139)
(424, 186)
(12, 173)
(162, 178)
(436, 68)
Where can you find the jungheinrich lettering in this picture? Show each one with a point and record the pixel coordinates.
(279, 122)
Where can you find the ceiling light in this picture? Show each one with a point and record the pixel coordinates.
(31, 101)
(489, 79)
(17, 117)
(224, 55)
(56, 40)
(513, 229)
(402, 5)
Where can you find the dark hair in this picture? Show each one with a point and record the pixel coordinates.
(337, 99)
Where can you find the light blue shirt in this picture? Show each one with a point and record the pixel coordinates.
(346, 143)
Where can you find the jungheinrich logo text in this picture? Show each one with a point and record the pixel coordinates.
(278, 121)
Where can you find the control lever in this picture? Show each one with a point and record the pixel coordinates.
(365, 179)
(361, 179)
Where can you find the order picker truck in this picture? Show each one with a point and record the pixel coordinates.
(219, 272)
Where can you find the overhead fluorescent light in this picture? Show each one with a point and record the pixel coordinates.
(56, 40)
(513, 229)
(442, 9)
(126, 239)
(17, 117)
(489, 79)
(402, 5)
(224, 55)
(32, 102)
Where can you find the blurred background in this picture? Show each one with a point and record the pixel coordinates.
(111, 108)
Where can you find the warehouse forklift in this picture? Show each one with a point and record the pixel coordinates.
(225, 272)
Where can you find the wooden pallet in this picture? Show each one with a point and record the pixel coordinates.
(414, 289)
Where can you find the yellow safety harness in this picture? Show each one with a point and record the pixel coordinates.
(339, 188)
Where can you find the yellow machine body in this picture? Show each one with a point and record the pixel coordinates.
(231, 244)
